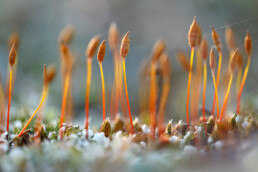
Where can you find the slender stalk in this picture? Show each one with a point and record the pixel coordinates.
(198, 85)
(41, 113)
(153, 98)
(34, 113)
(238, 80)
(66, 87)
(120, 88)
(188, 87)
(2, 104)
(216, 92)
(203, 95)
(193, 96)
(217, 83)
(226, 97)
(162, 105)
(45, 90)
(127, 99)
(117, 85)
(88, 92)
(103, 91)
(243, 84)
(121, 95)
(9, 99)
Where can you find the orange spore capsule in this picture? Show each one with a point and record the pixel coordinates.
(216, 39)
(194, 34)
(125, 45)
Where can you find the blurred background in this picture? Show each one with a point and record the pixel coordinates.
(39, 23)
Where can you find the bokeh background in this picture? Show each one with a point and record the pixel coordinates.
(39, 23)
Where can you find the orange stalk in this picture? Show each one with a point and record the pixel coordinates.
(197, 98)
(103, 90)
(2, 104)
(226, 97)
(40, 104)
(248, 50)
(204, 55)
(188, 87)
(88, 82)
(193, 95)
(41, 113)
(240, 71)
(90, 51)
(155, 56)
(213, 66)
(218, 45)
(66, 87)
(51, 72)
(12, 58)
(115, 92)
(101, 55)
(9, 99)
(162, 105)
(194, 39)
(124, 49)
(217, 83)
(198, 85)
(116, 86)
(166, 74)
(216, 93)
(113, 40)
(127, 99)
(121, 95)
(153, 98)
(243, 84)
(238, 81)
(232, 65)
(203, 94)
